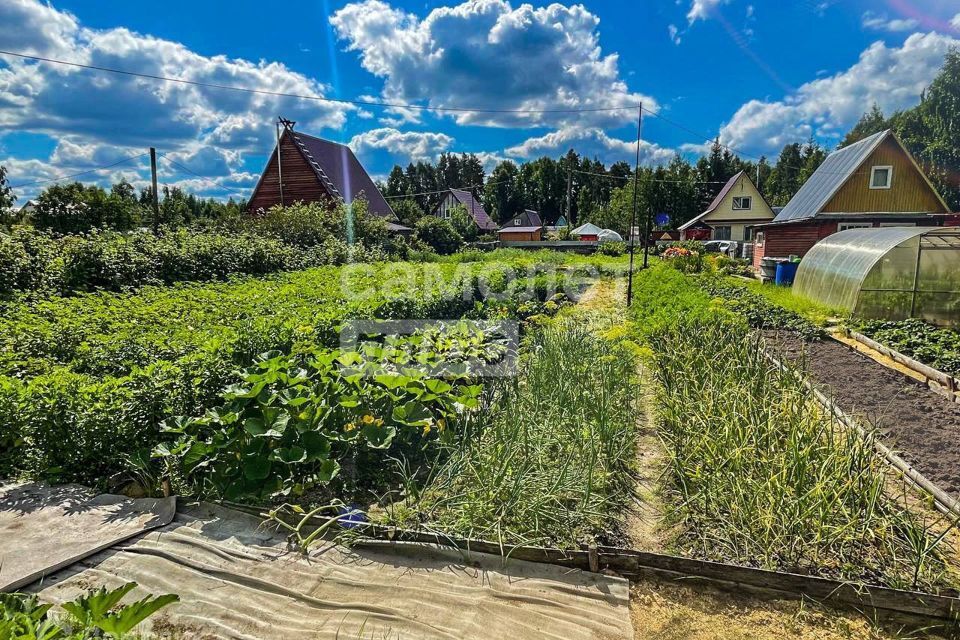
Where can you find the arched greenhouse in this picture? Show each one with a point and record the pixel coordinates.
(888, 273)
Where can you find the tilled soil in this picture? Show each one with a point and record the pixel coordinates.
(922, 426)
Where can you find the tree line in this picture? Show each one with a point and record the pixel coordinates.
(586, 190)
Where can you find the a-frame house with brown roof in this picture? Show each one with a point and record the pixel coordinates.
(310, 169)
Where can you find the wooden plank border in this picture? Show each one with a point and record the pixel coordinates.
(634, 565)
(942, 383)
(944, 503)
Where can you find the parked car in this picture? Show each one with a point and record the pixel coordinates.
(718, 246)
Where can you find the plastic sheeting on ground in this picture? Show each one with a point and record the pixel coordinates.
(236, 579)
(45, 528)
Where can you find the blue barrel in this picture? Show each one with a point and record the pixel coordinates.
(786, 272)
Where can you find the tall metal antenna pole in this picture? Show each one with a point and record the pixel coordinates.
(279, 164)
(633, 218)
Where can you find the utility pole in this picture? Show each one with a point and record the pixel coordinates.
(633, 217)
(156, 196)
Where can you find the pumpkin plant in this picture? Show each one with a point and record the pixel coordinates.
(282, 429)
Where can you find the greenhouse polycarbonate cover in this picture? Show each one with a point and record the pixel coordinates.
(873, 273)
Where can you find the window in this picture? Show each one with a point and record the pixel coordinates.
(881, 177)
(742, 203)
(721, 233)
(843, 226)
(516, 222)
(747, 234)
(759, 239)
(897, 224)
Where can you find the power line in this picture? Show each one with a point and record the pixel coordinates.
(612, 177)
(75, 175)
(184, 168)
(430, 193)
(281, 94)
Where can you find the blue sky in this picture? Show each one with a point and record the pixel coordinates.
(757, 73)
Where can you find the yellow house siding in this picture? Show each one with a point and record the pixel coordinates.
(908, 192)
(738, 219)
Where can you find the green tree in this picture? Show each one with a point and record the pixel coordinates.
(501, 196)
(438, 234)
(871, 122)
(463, 223)
(408, 211)
(6, 192)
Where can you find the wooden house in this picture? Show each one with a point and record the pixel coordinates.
(732, 213)
(525, 227)
(304, 168)
(872, 183)
(459, 198)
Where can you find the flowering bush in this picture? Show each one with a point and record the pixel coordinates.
(684, 259)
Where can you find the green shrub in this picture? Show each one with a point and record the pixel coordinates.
(613, 249)
(283, 239)
(439, 235)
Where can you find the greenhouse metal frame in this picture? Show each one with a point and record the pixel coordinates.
(888, 273)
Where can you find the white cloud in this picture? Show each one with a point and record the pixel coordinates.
(701, 9)
(881, 22)
(591, 143)
(97, 116)
(892, 77)
(413, 145)
(955, 22)
(487, 54)
(674, 33)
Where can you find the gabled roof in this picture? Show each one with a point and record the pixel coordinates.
(828, 178)
(835, 171)
(533, 218)
(588, 229)
(719, 199)
(475, 209)
(340, 172)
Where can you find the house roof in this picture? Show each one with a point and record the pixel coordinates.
(534, 217)
(393, 227)
(835, 171)
(340, 172)
(475, 209)
(509, 229)
(717, 200)
(588, 229)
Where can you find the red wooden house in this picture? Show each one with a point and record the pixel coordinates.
(310, 169)
(872, 183)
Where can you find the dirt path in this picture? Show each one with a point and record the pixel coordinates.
(604, 305)
(920, 424)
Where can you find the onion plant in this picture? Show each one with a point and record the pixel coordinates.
(759, 474)
(549, 463)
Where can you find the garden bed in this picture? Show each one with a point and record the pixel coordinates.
(920, 424)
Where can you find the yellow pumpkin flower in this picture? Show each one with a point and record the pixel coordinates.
(367, 419)
(350, 427)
